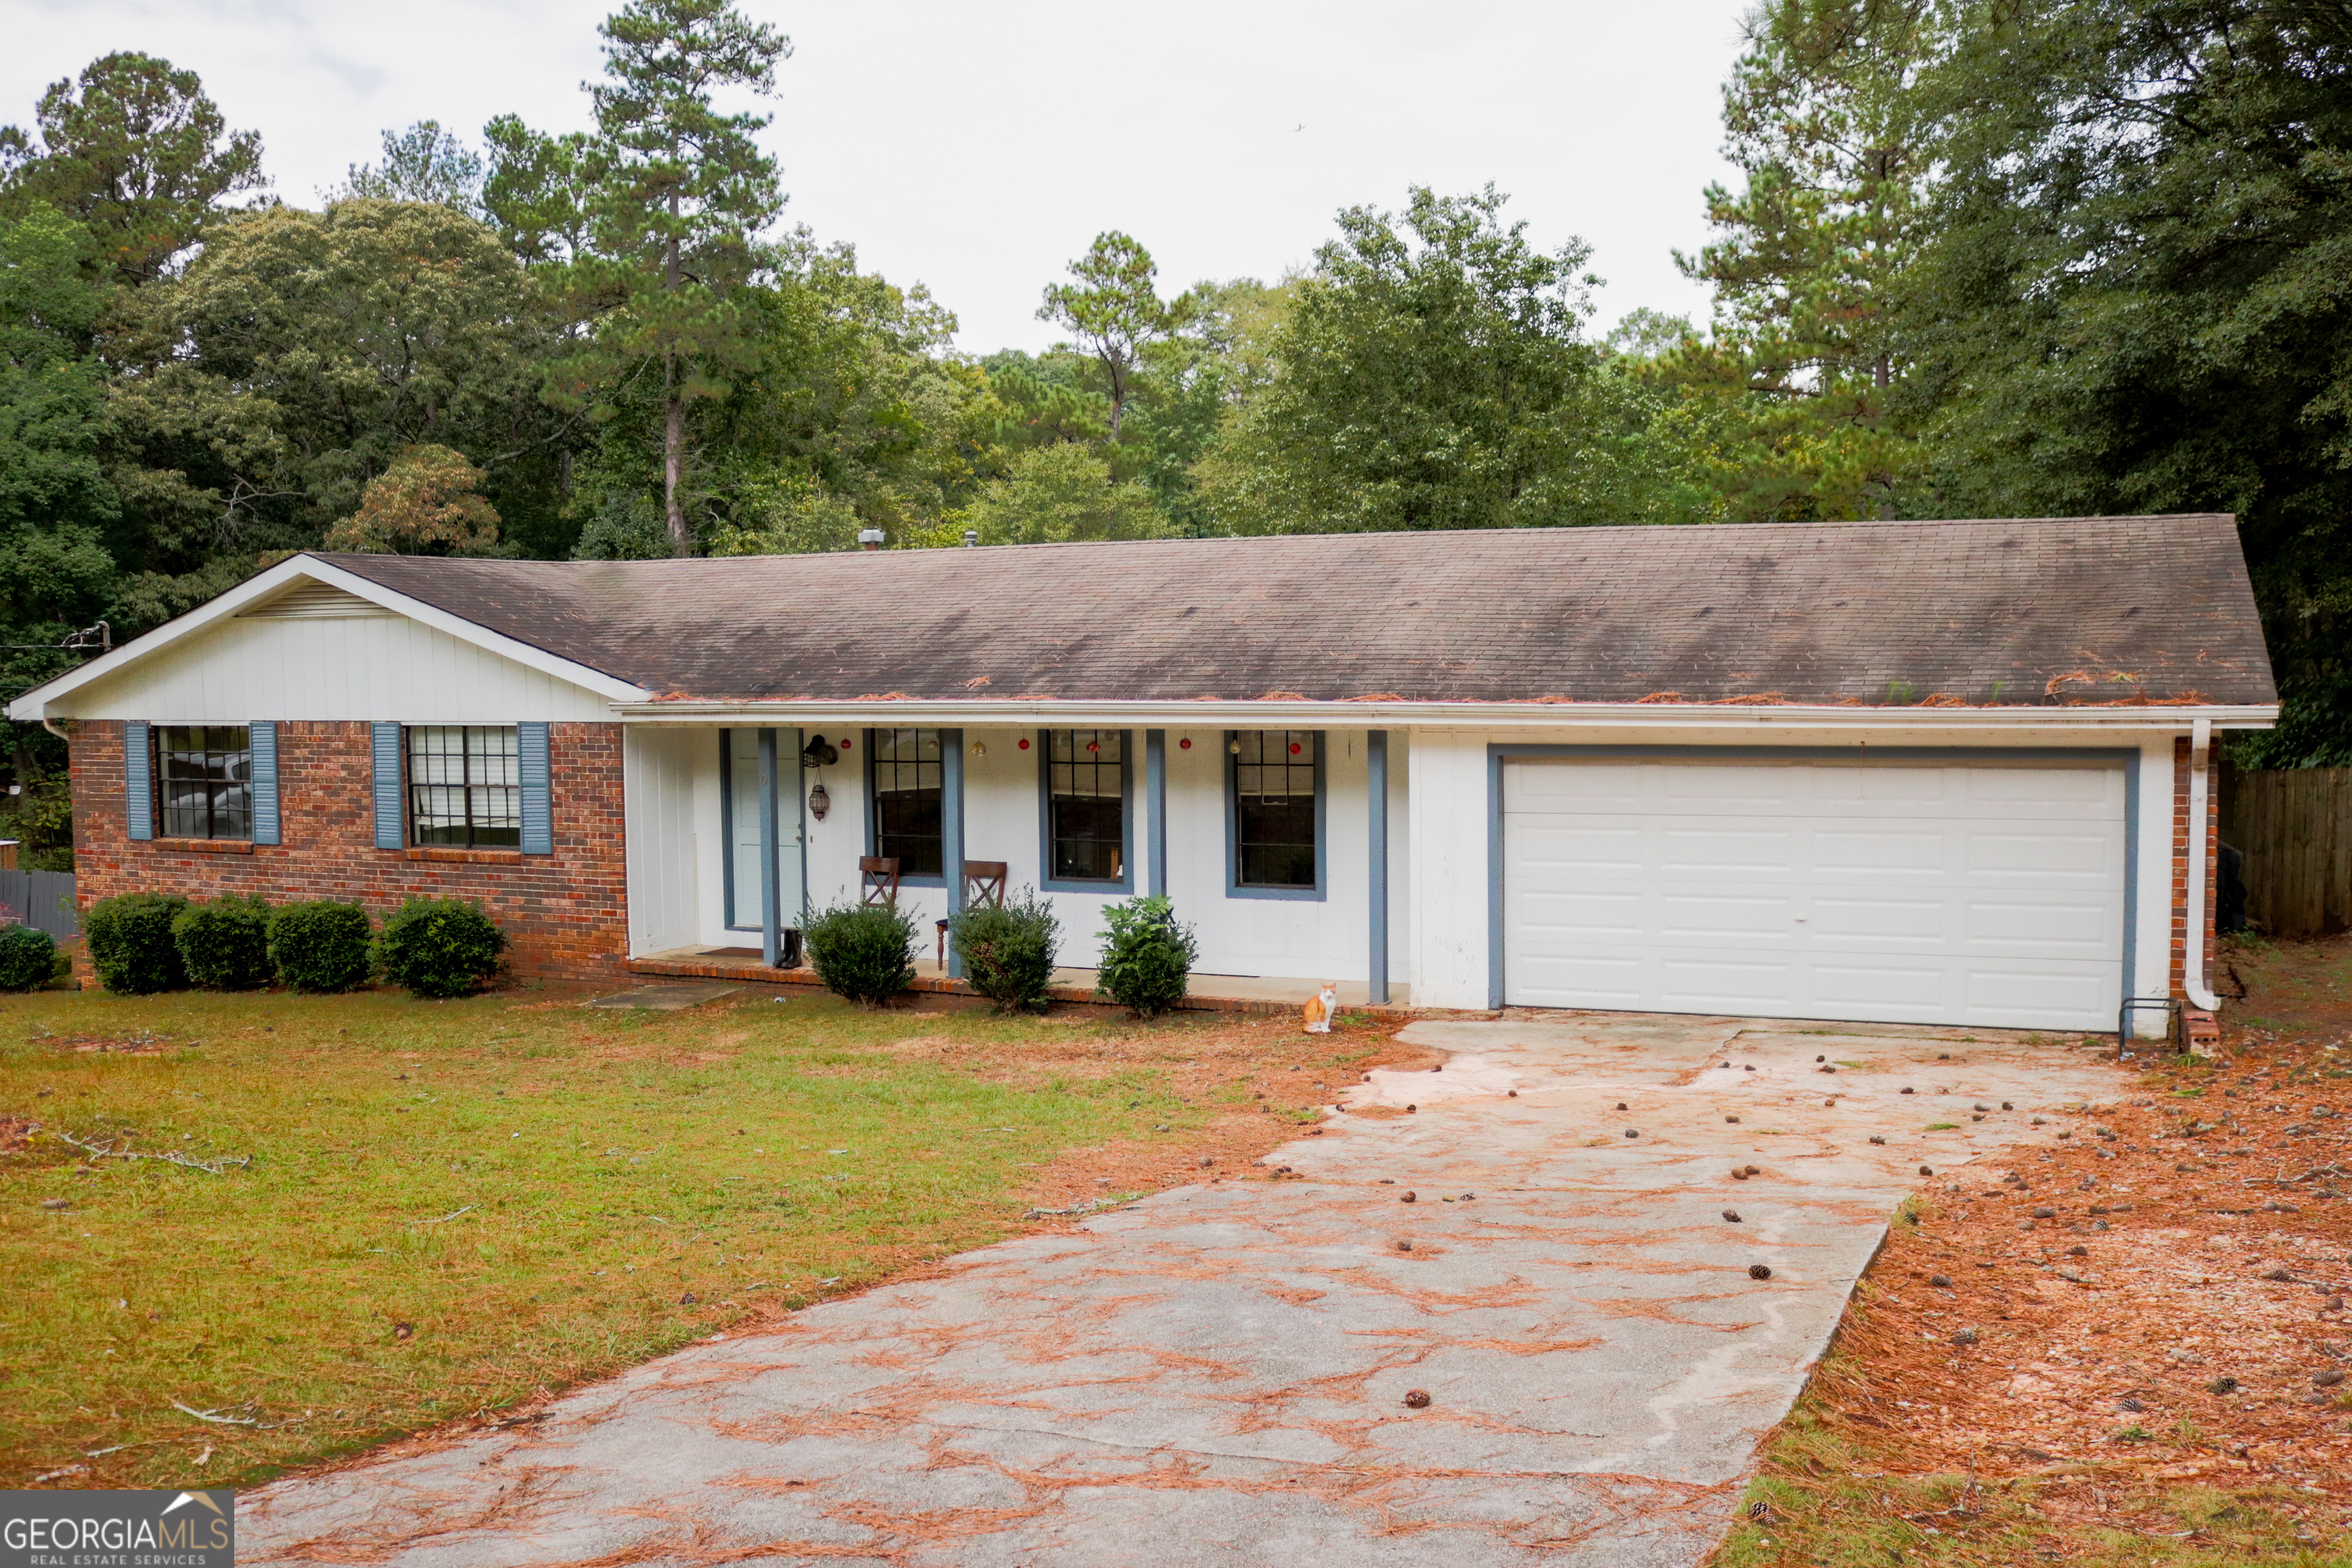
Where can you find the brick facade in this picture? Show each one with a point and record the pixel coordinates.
(2179, 902)
(565, 914)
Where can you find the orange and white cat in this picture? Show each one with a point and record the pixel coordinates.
(1319, 1008)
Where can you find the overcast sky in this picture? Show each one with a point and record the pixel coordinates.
(978, 148)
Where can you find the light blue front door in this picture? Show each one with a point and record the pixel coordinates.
(740, 751)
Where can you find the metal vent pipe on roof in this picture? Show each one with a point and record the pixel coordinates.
(869, 538)
(971, 537)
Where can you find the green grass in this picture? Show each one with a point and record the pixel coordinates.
(529, 1186)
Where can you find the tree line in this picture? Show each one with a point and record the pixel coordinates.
(2029, 258)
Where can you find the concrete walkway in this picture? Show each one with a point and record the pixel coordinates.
(1219, 1374)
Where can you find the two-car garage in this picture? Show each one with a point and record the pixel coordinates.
(1981, 891)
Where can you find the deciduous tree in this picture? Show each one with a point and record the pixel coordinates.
(428, 502)
(1057, 493)
(56, 575)
(1431, 373)
(299, 357)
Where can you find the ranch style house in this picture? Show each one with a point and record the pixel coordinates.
(1933, 772)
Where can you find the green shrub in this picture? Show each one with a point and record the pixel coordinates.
(862, 952)
(28, 957)
(1147, 958)
(131, 945)
(225, 945)
(439, 947)
(320, 946)
(1008, 952)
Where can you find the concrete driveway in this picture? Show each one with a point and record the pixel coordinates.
(1219, 1374)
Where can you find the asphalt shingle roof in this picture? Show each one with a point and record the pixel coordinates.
(2073, 609)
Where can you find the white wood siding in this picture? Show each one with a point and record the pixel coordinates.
(657, 768)
(359, 669)
(1448, 964)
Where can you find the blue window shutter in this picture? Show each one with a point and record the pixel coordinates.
(538, 815)
(262, 743)
(386, 747)
(138, 781)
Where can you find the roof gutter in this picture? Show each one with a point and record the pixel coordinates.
(1466, 715)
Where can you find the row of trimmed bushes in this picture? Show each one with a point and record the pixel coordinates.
(866, 951)
(143, 942)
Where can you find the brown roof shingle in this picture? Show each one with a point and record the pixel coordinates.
(2097, 609)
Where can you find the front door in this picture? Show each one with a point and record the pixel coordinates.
(738, 752)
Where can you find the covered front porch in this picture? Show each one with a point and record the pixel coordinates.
(1281, 848)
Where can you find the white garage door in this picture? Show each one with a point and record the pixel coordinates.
(1982, 894)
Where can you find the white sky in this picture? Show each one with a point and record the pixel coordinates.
(980, 148)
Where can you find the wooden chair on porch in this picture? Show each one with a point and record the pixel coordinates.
(983, 882)
(878, 879)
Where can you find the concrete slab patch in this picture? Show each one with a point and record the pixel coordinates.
(668, 998)
(1218, 1374)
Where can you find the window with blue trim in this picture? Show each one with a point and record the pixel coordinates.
(906, 784)
(1276, 773)
(464, 786)
(206, 775)
(1086, 806)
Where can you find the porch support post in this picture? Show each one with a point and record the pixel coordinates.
(951, 832)
(1155, 813)
(771, 895)
(1376, 803)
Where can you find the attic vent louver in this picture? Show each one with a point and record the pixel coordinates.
(314, 601)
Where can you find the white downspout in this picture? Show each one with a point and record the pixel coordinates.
(2192, 963)
(51, 726)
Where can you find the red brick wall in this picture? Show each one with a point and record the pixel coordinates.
(564, 914)
(2180, 900)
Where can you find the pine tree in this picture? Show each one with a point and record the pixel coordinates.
(1823, 119)
(680, 193)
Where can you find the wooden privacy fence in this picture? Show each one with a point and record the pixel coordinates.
(2294, 827)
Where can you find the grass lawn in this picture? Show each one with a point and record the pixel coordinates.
(451, 1208)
